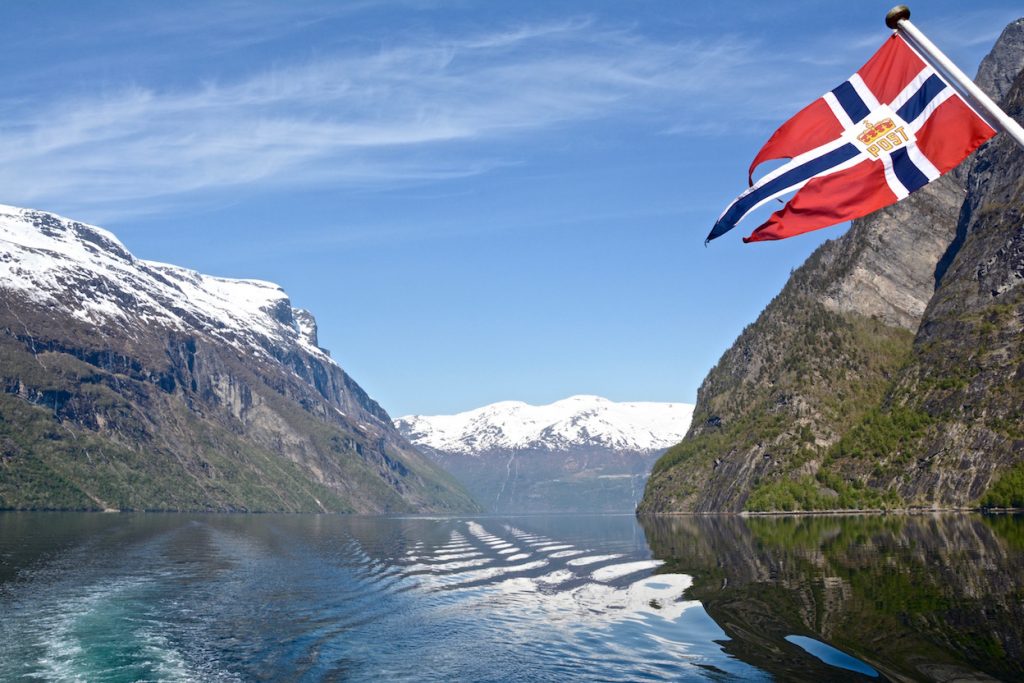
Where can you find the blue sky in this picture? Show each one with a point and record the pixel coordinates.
(479, 201)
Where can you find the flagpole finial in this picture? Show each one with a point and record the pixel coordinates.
(897, 14)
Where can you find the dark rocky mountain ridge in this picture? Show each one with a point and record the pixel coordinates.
(869, 380)
(127, 384)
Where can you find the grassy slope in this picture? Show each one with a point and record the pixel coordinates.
(85, 438)
(829, 368)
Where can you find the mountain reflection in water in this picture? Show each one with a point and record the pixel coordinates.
(936, 597)
(275, 597)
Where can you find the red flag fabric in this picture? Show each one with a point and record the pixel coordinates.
(890, 129)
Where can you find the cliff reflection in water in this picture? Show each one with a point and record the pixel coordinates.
(915, 597)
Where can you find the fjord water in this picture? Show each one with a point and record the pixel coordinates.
(264, 597)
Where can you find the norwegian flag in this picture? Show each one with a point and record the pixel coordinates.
(892, 128)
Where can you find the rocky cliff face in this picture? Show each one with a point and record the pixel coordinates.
(964, 384)
(998, 70)
(821, 353)
(774, 417)
(128, 384)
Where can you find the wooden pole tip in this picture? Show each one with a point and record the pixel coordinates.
(896, 15)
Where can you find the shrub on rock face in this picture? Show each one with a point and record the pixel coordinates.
(1008, 491)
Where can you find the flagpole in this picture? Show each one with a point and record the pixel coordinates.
(898, 18)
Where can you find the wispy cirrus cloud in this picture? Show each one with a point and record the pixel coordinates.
(422, 108)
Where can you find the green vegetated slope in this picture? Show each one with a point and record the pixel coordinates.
(126, 412)
(951, 429)
(793, 383)
(74, 435)
(828, 401)
(818, 357)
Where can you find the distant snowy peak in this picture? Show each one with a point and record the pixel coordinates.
(88, 272)
(578, 421)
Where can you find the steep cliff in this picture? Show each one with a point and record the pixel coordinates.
(821, 359)
(1000, 67)
(129, 384)
(821, 353)
(964, 385)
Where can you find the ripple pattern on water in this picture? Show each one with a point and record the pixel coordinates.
(229, 598)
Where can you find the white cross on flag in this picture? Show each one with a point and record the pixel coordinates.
(892, 128)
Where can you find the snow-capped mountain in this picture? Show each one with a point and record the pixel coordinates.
(581, 454)
(575, 422)
(88, 274)
(131, 384)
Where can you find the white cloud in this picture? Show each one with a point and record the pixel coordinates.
(422, 110)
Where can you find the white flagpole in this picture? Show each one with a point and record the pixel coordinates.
(898, 19)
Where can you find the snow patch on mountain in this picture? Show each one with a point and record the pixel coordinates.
(578, 421)
(88, 272)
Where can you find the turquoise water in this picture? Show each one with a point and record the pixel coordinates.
(264, 597)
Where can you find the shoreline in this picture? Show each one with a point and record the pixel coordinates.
(839, 512)
(913, 511)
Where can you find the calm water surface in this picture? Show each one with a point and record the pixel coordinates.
(264, 597)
